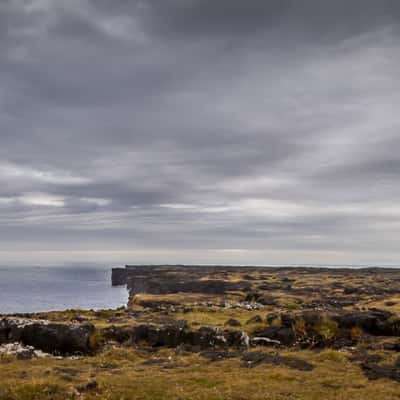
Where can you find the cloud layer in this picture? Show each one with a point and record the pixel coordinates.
(198, 131)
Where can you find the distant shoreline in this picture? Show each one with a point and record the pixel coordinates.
(116, 265)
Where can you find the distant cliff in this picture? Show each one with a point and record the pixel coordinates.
(168, 279)
(119, 276)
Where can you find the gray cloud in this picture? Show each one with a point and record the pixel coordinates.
(199, 131)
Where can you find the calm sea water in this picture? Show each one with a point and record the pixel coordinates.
(35, 289)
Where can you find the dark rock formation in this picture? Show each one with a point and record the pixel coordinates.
(119, 334)
(119, 276)
(168, 285)
(365, 357)
(176, 334)
(175, 279)
(160, 336)
(386, 371)
(232, 322)
(55, 338)
(374, 322)
(254, 320)
(219, 355)
(283, 335)
(338, 328)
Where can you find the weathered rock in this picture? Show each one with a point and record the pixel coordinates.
(252, 296)
(232, 322)
(253, 358)
(158, 336)
(266, 300)
(119, 334)
(206, 337)
(392, 346)
(261, 298)
(178, 335)
(78, 318)
(365, 357)
(22, 352)
(272, 317)
(337, 328)
(387, 371)
(254, 320)
(47, 336)
(375, 322)
(119, 276)
(167, 285)
(163, 279)
(297, 363)
(236, 338)
(219, 355)
(283, 334)
(264, 341)
(18, 350)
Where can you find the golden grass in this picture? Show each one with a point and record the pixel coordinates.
(218, 316)
(121, 374)
(390, 303)
(127, 374)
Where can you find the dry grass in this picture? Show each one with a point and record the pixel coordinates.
(121, 374)
(390, 303)
(218, 316)
(129, 374)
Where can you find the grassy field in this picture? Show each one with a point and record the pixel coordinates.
(130, 374)
(130, 370)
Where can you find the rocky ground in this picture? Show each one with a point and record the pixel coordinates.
(215, 333)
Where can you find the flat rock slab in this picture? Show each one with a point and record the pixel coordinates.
(255, 358)
(385, 371)
(219, 355)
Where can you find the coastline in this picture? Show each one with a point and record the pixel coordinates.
(215, 327)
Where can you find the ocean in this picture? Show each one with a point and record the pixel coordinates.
(36, 289)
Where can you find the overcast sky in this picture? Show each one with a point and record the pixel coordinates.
(200, 131)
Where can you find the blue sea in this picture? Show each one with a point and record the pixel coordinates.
(36, 289)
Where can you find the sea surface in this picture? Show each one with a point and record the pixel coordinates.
(36, 289)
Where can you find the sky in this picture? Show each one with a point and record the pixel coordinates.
(200, 131)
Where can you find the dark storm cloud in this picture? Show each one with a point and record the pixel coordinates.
(207, 17)
(199, 130)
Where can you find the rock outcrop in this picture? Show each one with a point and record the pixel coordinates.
(21, 352)
(50, 337)
(338, 328)
(175, 279)
(165, 284)
(174, 334)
